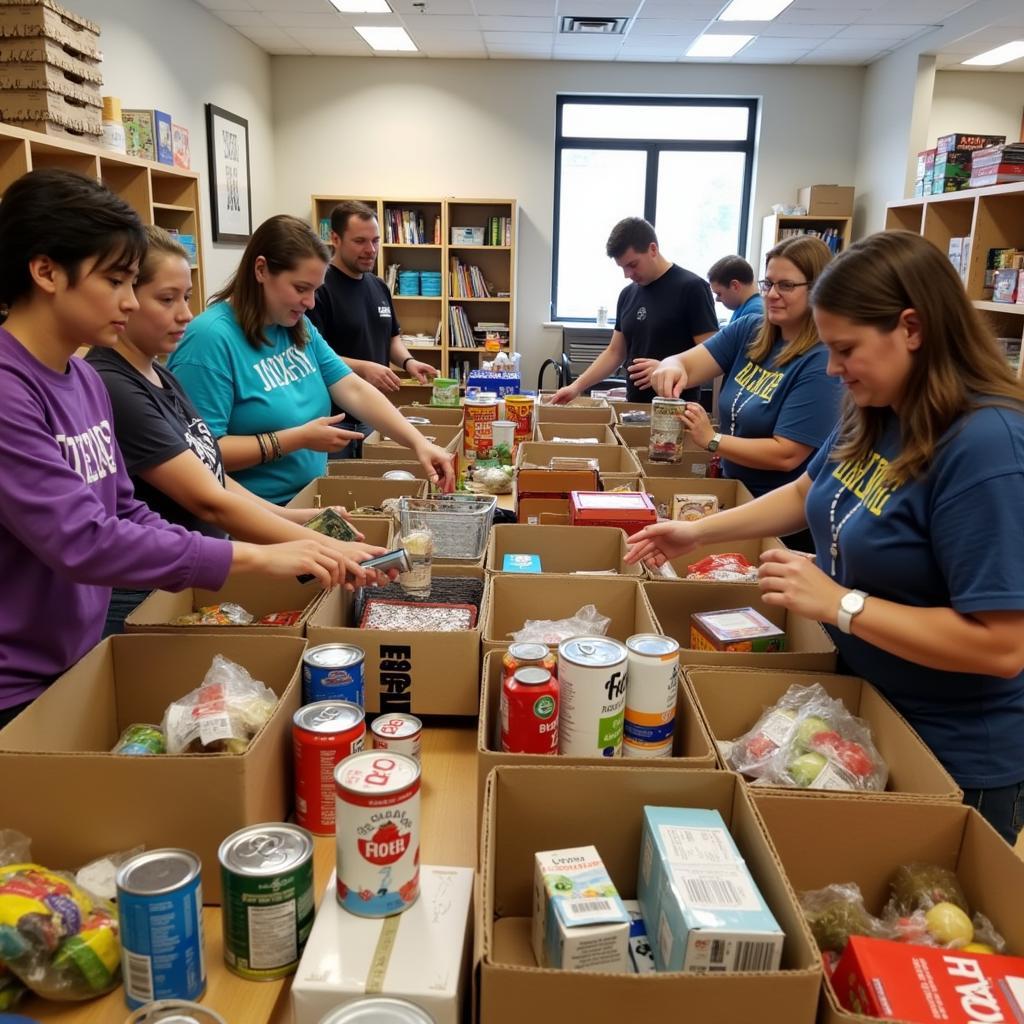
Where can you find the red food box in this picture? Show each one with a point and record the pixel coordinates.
(629, 510)
(925, 984)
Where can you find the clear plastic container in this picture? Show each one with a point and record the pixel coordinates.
(460, 523)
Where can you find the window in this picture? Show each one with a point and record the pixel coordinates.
(685, 165)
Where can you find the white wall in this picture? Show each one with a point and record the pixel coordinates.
(380, 126)
(175, 56)
(977, 103)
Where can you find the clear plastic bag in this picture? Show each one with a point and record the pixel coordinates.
(222, 715)
(225, 614)
(588, 621)
(836, 912)
(728, 567)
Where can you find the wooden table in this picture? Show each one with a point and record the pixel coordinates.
(448, 837)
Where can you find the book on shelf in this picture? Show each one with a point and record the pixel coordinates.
(391, 276)
(407, 227)
(498, 231)
(832, 237)
(189, 244)
(460, 330)
(325, 229)
(419, 340)
(467, 282)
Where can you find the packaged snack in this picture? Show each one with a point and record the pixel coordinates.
(735, 629)
(728, 567)
(226, 614)
(141, 738)
(280, 618)
(331, 524)
(690, 507)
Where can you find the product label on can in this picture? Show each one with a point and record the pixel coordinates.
(340, 680)
(477, 426)
(592, 707)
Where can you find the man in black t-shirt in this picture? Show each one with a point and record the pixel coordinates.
(665, 310)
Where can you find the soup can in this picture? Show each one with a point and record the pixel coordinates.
(399, 733)
(378, 1010)
(652, 688)
(526, 654)
(333, 672)
(668, 429)
(478, 420)
(323, 733)
(378, 832)
(173, 1011)
(529, 712)
(592, 689)
(519, 409)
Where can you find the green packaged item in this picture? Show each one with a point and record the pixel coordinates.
(446, 392)
(330, 524)
(143, 739)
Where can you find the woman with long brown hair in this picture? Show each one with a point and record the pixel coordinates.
(914, 505)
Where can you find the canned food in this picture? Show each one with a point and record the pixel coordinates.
(529, 712)
(323, 733)
(267, 876)
(478, 418)
(519, 409)
(652, 687)
(333, 672)
(398, 474)
(160, 911)
(378, 1010)
(174, 1011)
(592, 689)
(668, 430)
(399, 733)
(378, 825)
(523, 655)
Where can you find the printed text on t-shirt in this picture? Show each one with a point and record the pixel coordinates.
(759, 381)
(91, 453)
(286, 368)
(867, 480)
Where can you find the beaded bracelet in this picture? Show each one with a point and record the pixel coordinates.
(264, 454)
(278, 454)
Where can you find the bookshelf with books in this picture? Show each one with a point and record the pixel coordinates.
(835, 232)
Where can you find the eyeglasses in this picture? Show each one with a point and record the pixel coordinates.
(782, 287)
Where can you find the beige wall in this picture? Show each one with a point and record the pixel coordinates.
(486, 128)
(977, 103)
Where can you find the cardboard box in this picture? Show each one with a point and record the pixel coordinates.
(445, 435)
(512, 599)
(751, 550)
(84, 802)
(663, 490)
(33, 19)
(421, 673)
(536, 492)
(530, 809)
(428, 963)
(732, 700)
(826, 200)
(30, 106)
(822, 841)
(52, 53)
(808, 647)
(692, 746)
(611, 458)
(620, 409)
(592, 412)
(562, 549)
(694, 465)
(575, 433)
(375, 468)
(355, 492)
(638, 437)
(628, 510)
(42, 75)
(412, 392)
(435, 413)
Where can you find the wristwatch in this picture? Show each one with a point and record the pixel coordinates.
(851, 604)
(716, 440)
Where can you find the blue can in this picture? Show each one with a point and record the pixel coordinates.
(333, 672)
(160, 909)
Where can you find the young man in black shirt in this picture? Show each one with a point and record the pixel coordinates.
(665, 310)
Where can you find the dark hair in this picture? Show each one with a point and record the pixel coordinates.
(161, 244)
(350, 208)
(630, 233)
(282, 241)
(958, 362)
(729, 269)
(70, 218)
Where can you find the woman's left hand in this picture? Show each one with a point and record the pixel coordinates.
(698, 423)
(423, 372)
(439, 465)
(791, 580)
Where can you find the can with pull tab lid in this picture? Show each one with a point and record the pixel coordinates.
(378, 1010)
(652, 688)
(323, 733)
(592, 688)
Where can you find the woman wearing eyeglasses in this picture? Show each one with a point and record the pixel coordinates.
(777, 404)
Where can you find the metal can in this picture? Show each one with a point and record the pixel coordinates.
(333, 672)
(267, 876)
(529, 712)
(378, 1010)
(378, 816)
(399, 733)
(668, 429)
(160, 912)
(477, 419)
(527, 655)
(323, 733)
(174, 1011)
(592, 688)
(519, 409)
(652, 688)
(398, 474)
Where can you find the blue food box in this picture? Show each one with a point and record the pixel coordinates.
(702, 908)
(520, 563)
(499, 383)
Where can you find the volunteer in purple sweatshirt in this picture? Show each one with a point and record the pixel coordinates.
(70, 526)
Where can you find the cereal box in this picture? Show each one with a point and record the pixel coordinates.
(735, 629)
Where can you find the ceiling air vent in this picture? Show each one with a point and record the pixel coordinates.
(593, 26)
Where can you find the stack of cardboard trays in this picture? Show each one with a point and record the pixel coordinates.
(50, 78)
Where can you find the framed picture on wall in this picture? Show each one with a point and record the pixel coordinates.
(227, 141)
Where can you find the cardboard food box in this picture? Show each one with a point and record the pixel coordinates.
(611, 458)
(694, 464)
(449, 416)
(826, 200)
(751, 550)
(40, 50)
(732, 700)
(536, 492)
(423, 673)
(629, 510)
(622, 410)
(529, 809)
(375, 468)
(425, 961)
(735, 629)
(663, 490)
(808, 647)
(355, 492)
(592, 412)
(562, 549)
(40, 75)
(638, 437)
(28, 107)
(444, 435)
(412, 392)
(692, 746)
(555, 432)
(852, 839)
(512, 599)
(84, 802)
(33, 19)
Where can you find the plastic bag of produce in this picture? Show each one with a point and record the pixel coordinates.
(837, 912)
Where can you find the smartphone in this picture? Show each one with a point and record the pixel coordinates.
(396, 559)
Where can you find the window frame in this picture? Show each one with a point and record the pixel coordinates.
(653, 149)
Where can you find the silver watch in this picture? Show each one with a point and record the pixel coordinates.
(713, 444)
(851, 604)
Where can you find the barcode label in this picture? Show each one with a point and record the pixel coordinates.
(755, 956)
(716, 888)
(138, 976)
(582, 907)
(718, 951)
(712, 892)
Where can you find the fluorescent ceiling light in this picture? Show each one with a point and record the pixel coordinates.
(754, 10)
(383, 38)
(1000, 55)
(717, 46)
(362, 6)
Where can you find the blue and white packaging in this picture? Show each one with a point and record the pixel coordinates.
(640, 952)
(703, 911)
(499, 383)
(520, 563)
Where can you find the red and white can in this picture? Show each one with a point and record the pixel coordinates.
(323, 733)
(519, 409)
(527, 655)
(477, 418)
(378, 832)
(529, 712)
(401, 734)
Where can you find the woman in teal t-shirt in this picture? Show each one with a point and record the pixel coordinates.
(262, 377)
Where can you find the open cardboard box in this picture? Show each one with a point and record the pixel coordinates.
(751, 550)
(638, 436)
(445, 435)
(562, 549)
(512, 599)
(578, 411)
(732, 700)
(620, 408)
(694, 464)
(611, 458)
(849, 839)
(411, 392)
(77, 802)
(692, 746)
(729, 493)
(808, 646)
(423, 673)
(448, 414)
(580, 433)
(355, 492)
(374, 468)
(552, 807)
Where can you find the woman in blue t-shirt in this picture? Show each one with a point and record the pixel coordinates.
(914, 504)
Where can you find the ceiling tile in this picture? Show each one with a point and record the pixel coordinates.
(245, 19)
(523, 8)
(303, 6)
(433, 7)
(317, 39)
(298, 19)
(518, 38)
(873, 30)
(226, 5)
(823, 14)
(432, 41)
(666, 27)
(442, 22)
(792, 29)
(495, 23)
(699, 10)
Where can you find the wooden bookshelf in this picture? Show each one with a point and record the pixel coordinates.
(168, 196)
(419, 314)
(993, 218)
(775, 224)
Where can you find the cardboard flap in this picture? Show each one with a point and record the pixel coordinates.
(355, 492)
(611, 458)
(562, 549)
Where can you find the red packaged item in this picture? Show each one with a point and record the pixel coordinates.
(924, 984)
(629, 510)
(727, 567)
(279, 618)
